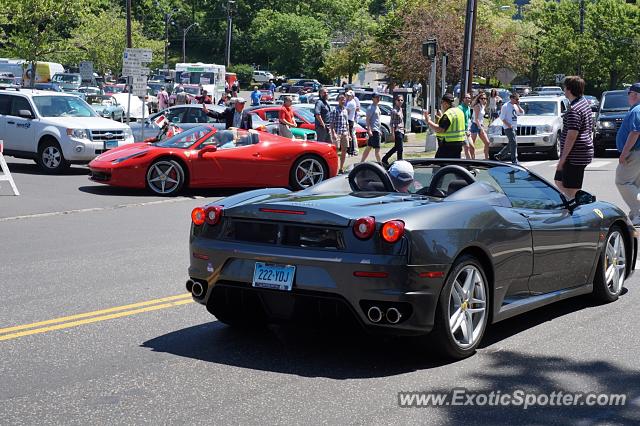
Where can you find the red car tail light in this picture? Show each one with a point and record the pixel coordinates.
(197, 216)
(392, 231)
(364, 227)
(212, 214)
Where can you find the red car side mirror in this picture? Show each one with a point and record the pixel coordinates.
(208, 148)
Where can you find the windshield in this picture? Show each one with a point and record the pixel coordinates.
(101, 100)
(113, 89)
(192, 90)
(539, 108)
(185, 139)
(306, 115)
(63, 106)
(615, 102)
(66, 78)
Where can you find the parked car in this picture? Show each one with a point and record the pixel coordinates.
(68, 82)
(138, 109)
(52, 87)
(538, 129)
(471, 243)
(549, 91)
(262, 76)
(295, 98)
(110, 89)
(55, 129)
(304, 118)
(90, 90)
(613, 108)
(266, 96)
(106, 106)
(205, 157)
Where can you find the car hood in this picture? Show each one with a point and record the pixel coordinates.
(125, 151)
(326, 209)
(612, 115)
(531, 120)
(86, 123)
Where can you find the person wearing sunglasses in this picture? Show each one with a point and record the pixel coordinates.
(628, 144)
(397, 127)
(477, 128)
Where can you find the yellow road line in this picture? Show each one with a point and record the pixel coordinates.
(94, 319)
(94, 313)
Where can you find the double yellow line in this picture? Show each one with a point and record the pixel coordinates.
(70, 321)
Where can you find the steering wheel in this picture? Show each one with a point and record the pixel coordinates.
(459, 171)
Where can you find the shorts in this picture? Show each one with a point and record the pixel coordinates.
(341, 141)
(571, 176)
(374, 140)
(474, 128)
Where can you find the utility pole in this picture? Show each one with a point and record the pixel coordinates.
(129, 43)
(166, 41)
(581, 33)
(467, 56)
(229, 30)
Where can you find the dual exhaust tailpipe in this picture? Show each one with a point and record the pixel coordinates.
(196, 288)
(376, 315)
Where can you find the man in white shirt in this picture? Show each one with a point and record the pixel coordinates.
(509, 116)
(352, 110)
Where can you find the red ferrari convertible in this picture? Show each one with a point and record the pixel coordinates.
(204, 157)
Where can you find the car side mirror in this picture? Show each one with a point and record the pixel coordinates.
(208, 148)
(25, 113)
(583, 197)
(594, 108)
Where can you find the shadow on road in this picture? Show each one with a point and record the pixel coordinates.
(336, 354)
(34, 169)
(106, 190)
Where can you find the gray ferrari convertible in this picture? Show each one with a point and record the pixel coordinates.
(470, 243)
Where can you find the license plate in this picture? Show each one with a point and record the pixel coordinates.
(110, 144)
(276, 277)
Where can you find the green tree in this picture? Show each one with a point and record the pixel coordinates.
(91, 41)
(291, 44)
(244, 73)
(37, 29)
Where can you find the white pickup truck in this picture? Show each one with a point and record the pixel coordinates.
(55, 129)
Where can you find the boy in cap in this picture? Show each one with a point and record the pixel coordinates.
(401, 173)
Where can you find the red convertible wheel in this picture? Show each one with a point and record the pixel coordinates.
(307, 171)
(165, 177)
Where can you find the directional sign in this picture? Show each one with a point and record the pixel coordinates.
(142, 55)
(134, 71)
(139, 85)
(86, 70)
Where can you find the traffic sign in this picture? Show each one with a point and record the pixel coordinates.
(129, 71)
(142, 55)
(560, 78)
(86, 70)
(505, 75)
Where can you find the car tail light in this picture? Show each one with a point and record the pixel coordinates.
(212, 214)
(392, 231)
(197, 216)
(364, 227)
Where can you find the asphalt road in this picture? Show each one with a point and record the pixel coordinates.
(96, 328)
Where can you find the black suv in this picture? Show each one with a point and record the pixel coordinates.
(613, 107)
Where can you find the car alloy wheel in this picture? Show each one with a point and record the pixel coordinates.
(51, 157)
(307, 171)
(611, 272)
(467, 307)
(165, 177)
(462, 313)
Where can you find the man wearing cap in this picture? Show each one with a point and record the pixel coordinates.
(373, 129)
(628, 144)
(450, 129)
(234, 116)
(401, 173)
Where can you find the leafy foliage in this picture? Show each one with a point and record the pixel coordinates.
(244, 73)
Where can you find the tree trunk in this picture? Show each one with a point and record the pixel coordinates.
(613, 79)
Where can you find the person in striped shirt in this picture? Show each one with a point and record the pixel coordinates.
(576, 142)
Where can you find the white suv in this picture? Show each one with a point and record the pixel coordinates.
(538, 129)
(262, 76)
(55, 129)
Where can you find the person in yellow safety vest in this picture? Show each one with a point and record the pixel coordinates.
(450, 129)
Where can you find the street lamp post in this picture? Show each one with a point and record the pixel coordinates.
(229, 32)
(184, 41)
(167, 19)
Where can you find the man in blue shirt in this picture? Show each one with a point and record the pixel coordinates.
(255, 96)
(628, 144)
(272, 87)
